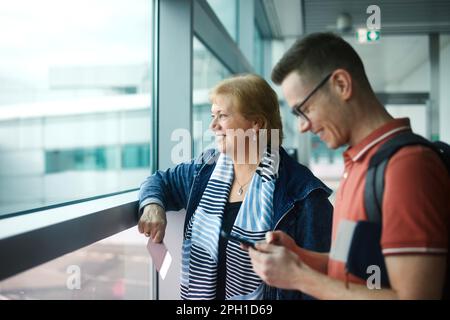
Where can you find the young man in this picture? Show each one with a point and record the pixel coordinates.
(324, 81)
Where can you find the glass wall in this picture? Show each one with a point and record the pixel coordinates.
(227, 12)
(74, 101)
(208, 71)
(115, 268)
(444, 93)
(258, 51)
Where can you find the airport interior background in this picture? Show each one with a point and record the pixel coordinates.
(95, 95)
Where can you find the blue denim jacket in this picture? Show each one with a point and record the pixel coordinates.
(301, 206)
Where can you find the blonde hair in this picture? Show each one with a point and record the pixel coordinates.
(252, 97)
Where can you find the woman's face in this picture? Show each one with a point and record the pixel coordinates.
(225, 119)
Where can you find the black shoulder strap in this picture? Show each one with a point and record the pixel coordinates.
(374, 188)
(443, 150)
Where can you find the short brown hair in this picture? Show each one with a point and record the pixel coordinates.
(317, 55)
(254, 98)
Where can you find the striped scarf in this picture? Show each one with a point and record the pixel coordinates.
(254, 219)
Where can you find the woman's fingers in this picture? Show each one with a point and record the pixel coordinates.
(155, 230)
(141, 226)
(159, 236)
(153, 223)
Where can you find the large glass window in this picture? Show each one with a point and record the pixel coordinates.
(115, 268)
(258, 51)
(208, 71)
(444, 93)
(226, 11)
(74, 100)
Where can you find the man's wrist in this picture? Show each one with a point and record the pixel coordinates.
(304, 276)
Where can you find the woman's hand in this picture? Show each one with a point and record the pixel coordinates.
(153, 222)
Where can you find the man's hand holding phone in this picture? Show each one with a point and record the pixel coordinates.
(245, 243)
(280, 238)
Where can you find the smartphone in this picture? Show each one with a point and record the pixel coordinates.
(238, 239)
(160, 256)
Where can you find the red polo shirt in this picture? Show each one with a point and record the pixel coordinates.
(416, 202)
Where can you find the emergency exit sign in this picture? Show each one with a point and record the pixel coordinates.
(365, 35)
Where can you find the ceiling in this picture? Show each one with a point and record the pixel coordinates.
(393, 59)
(405, 25)
(292, 18)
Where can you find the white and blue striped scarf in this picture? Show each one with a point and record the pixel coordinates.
(200, 246)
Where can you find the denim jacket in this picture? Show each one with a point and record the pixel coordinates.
(301, 206)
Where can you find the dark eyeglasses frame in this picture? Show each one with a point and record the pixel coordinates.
(297, 108)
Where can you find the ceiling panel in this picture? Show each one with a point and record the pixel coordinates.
(405, 25)
(397, 16)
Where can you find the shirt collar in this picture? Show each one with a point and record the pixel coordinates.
(357, 152)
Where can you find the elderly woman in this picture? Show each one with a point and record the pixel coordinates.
(241, 189)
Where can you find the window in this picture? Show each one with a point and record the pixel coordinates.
(136, 156)
(444, 93)
(226, 11)
(258, 52)
(115, 268)
(80, 159)
(208, 71)
(74, 101)
(100, 158)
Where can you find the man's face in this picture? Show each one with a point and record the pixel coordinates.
(323, 110)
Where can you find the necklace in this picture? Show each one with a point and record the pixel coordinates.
(241, 187)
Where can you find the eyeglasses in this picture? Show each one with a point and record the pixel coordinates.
(297, 109)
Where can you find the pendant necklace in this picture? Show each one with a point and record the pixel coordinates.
(241, 187)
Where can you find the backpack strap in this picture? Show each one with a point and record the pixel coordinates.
(443, 150)
(374, 188)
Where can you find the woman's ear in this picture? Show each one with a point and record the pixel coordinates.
(341, 81)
